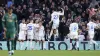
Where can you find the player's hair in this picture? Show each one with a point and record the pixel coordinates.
(30, 20)
(36, 21)
(91, 20)
(23, 19)
(9, 8)
(73, 20)
(40, 21)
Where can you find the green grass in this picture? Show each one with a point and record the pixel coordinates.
(52, 53)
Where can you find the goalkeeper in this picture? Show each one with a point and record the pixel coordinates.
(9, 22)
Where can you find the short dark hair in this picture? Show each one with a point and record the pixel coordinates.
(73, 20)
(91, 20)
(9, 8)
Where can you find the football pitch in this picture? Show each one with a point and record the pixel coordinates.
(52, 53)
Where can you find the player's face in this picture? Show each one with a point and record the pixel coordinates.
(10, 11)
(40, 23)
(36, 21)
(27, 21)
(23, 21)
(97, 21)
(31, 21)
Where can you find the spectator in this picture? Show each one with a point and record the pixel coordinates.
(81, 10)
(92, 12)
(93, 4)
(63, 29)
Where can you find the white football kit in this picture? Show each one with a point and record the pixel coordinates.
(73, 30)
(91, 27)
(41, 33)
(30, 31)
(55, 19)
(22, 32)
(36, 31)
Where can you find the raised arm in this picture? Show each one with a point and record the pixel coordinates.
(61, 13)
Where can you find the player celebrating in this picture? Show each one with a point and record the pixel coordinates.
(30, 33)
(74, 34)
(22, 33)
(55, 19)
(36, 32)
(9, 22)
(41, 35)
(91, 26)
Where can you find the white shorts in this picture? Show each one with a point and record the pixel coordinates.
(36, 36)
(73, 35)
(91, 35)
(30, 37)
(55, 26)
(22, 36)
(81, 37)
(41, 38)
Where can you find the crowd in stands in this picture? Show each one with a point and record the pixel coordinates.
(80, 10)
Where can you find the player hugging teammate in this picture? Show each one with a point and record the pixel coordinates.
(33, 31)
(74, 31)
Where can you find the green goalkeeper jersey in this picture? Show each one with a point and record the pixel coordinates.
(10, 22)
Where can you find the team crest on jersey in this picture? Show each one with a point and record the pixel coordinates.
(10, 20)
(14, 35)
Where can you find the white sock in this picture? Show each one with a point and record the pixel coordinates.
(44, 45)
(40, 44)
(19, 45)
(90, 44)
(22, 45)
(35, 45)
(27, 43)
(57, 32)
(70, 46)
(77, 44)
(94, 42)
(55, 36)
(31, 44)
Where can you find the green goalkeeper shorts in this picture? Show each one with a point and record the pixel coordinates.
(10, 35)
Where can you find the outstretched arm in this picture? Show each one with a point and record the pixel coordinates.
(61, 13)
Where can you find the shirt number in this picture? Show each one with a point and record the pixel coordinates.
(55, 16)
(92, 27)
(29, 27)
(74, 29)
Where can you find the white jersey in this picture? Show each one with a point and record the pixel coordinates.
(36, 28)
(22, 27)
(41, 31)
(36, 31)
(91, 27)
(30, 29)
(73, 28)
(22, 31)
(55, 17)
